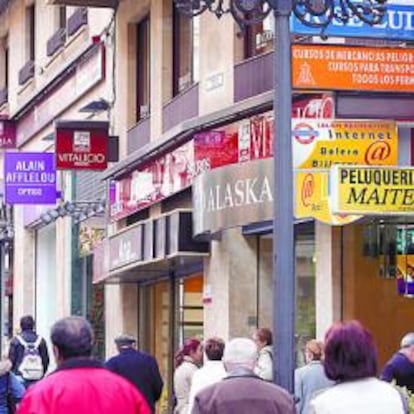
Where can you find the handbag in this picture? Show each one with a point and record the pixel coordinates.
(10, 401)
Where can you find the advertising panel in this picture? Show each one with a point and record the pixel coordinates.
(81, 145)
(352, 68)
(322, 143)
(7, 134)
(312, 198)
(30, 178)
(397, 24)
(372, 190)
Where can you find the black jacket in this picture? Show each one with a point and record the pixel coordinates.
(16, 350)
(142, 370)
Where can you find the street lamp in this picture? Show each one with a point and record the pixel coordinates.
(316, 14)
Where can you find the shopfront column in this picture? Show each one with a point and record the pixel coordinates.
(328, 276)
(230, 282)
(121, 313)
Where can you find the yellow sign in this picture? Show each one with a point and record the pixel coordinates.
(372, 190)
(312, 198)
(321, 143)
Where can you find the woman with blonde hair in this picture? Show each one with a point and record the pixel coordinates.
(311, 378)
(11, 389)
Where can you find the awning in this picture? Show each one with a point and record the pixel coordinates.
(150, 249)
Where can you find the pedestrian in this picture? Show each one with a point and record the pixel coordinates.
(187, 362)
(11, 388)
(264, 341)
(310, 378)
(242, 391)
(400, 367)
(212, 370)
(80, 385)
(28, 353)
(138, 367)
(351, 361)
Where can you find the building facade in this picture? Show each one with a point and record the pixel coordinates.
(187, 238)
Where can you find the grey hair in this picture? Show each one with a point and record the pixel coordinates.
(407, 340)
(73, 336)
(240, 351)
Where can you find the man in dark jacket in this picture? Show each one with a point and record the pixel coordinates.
(401, 365)
(242, 391)
(137, 367)
(28, 338)
(80, 385)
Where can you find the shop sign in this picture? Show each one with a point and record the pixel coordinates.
(397, 24)
(30, 178)
(323, 143)
(7, 134)
(125, 247)
(312, 198)
(81, 145)
(372, 190)
(239, 142)
(243, 141)
(232, 196)
(352, 68)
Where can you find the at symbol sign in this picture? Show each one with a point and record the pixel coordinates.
(308, 187)
(377, 153)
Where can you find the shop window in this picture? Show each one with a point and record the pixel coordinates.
(191, 308)
(185, 51)
(258, 38)
(143, 68)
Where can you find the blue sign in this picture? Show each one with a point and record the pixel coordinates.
(397, 24)
(30, 177)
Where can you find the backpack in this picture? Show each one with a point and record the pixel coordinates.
(31, 367)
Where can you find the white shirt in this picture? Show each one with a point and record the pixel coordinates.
(209, 374)
(366, 396)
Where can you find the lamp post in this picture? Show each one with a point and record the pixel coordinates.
(316, 14)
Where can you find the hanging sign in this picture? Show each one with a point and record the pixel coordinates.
(7, 134)
(322, 143)
(312, 198)
(30, 178)
(81, 145)
(397, 24)
(352, 68)
(372, 190)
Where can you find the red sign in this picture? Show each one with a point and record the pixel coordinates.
(245, 140)
(7, 134)
(81, 145)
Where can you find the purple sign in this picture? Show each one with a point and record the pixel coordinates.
(30, 178)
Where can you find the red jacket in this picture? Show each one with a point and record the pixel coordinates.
(82, 386)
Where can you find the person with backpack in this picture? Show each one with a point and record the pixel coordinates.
(28, 353)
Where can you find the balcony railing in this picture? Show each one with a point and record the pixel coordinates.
(3, 96)
(78, 19)
(253, 77)
(182, 107)
(26, 72)
(56, 42)
(139, 135)
(85, 3)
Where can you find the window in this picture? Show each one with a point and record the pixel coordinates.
(30, 34)
(185, 51)
(258, 38)
(143, 68)
(62, 17)
(4, 63)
